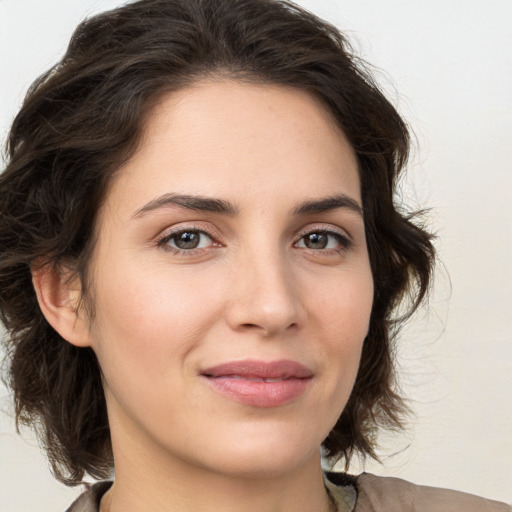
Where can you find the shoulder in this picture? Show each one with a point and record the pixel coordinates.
(386, 494)
(89, 500)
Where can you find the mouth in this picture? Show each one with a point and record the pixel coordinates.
(259, 383)
(250, 379)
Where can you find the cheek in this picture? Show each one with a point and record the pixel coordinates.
(148, 323)
(342, 313)
(148, 320)
(339, 312)
(344, 304)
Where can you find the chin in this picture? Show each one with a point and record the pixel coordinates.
(263, 466)
(262, 453)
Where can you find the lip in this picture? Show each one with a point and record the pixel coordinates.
(259, 383)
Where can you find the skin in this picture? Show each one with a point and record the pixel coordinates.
(256, 287)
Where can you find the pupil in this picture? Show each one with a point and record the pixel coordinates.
(316, 241)
(187, 240)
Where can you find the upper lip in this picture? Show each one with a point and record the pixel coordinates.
(254, 369)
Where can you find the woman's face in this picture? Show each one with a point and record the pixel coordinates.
(231, 282)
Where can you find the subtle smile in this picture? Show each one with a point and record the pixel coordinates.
(259, 383)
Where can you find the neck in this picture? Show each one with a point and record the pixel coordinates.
(175, 486)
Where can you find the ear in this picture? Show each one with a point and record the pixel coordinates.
(59, 295)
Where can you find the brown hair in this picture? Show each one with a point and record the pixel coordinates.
(82, 119)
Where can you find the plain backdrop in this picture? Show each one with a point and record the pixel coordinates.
(447, 66)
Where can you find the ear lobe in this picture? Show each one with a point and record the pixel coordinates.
(59, 300)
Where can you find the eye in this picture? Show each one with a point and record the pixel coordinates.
(323, 240)
(186, 240)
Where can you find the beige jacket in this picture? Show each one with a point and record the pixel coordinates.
(372, 494)
(385, 494)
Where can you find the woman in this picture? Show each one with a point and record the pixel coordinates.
(201, 263)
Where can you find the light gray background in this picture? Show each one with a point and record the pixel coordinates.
(450, 63)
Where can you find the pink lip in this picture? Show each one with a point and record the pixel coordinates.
(259, 383)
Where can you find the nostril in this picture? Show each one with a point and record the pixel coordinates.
(267, 327)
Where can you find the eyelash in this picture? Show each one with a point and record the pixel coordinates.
(342, 239)
(163, 242)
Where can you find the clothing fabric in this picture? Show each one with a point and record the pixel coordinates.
(386, 494)
(371, 493)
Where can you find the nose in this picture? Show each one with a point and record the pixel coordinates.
(265, 297)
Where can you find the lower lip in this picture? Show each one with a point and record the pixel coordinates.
(259, 393)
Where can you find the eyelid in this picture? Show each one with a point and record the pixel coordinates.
(345, 239)
(324, 228)
(200, 227)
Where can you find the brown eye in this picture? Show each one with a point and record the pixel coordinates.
(323, 240)
(316, 240)
(187, 240)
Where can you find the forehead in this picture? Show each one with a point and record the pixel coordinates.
(239, 141)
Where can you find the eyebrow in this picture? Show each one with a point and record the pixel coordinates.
(327, 204)
(221, 206)
(190, 202)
